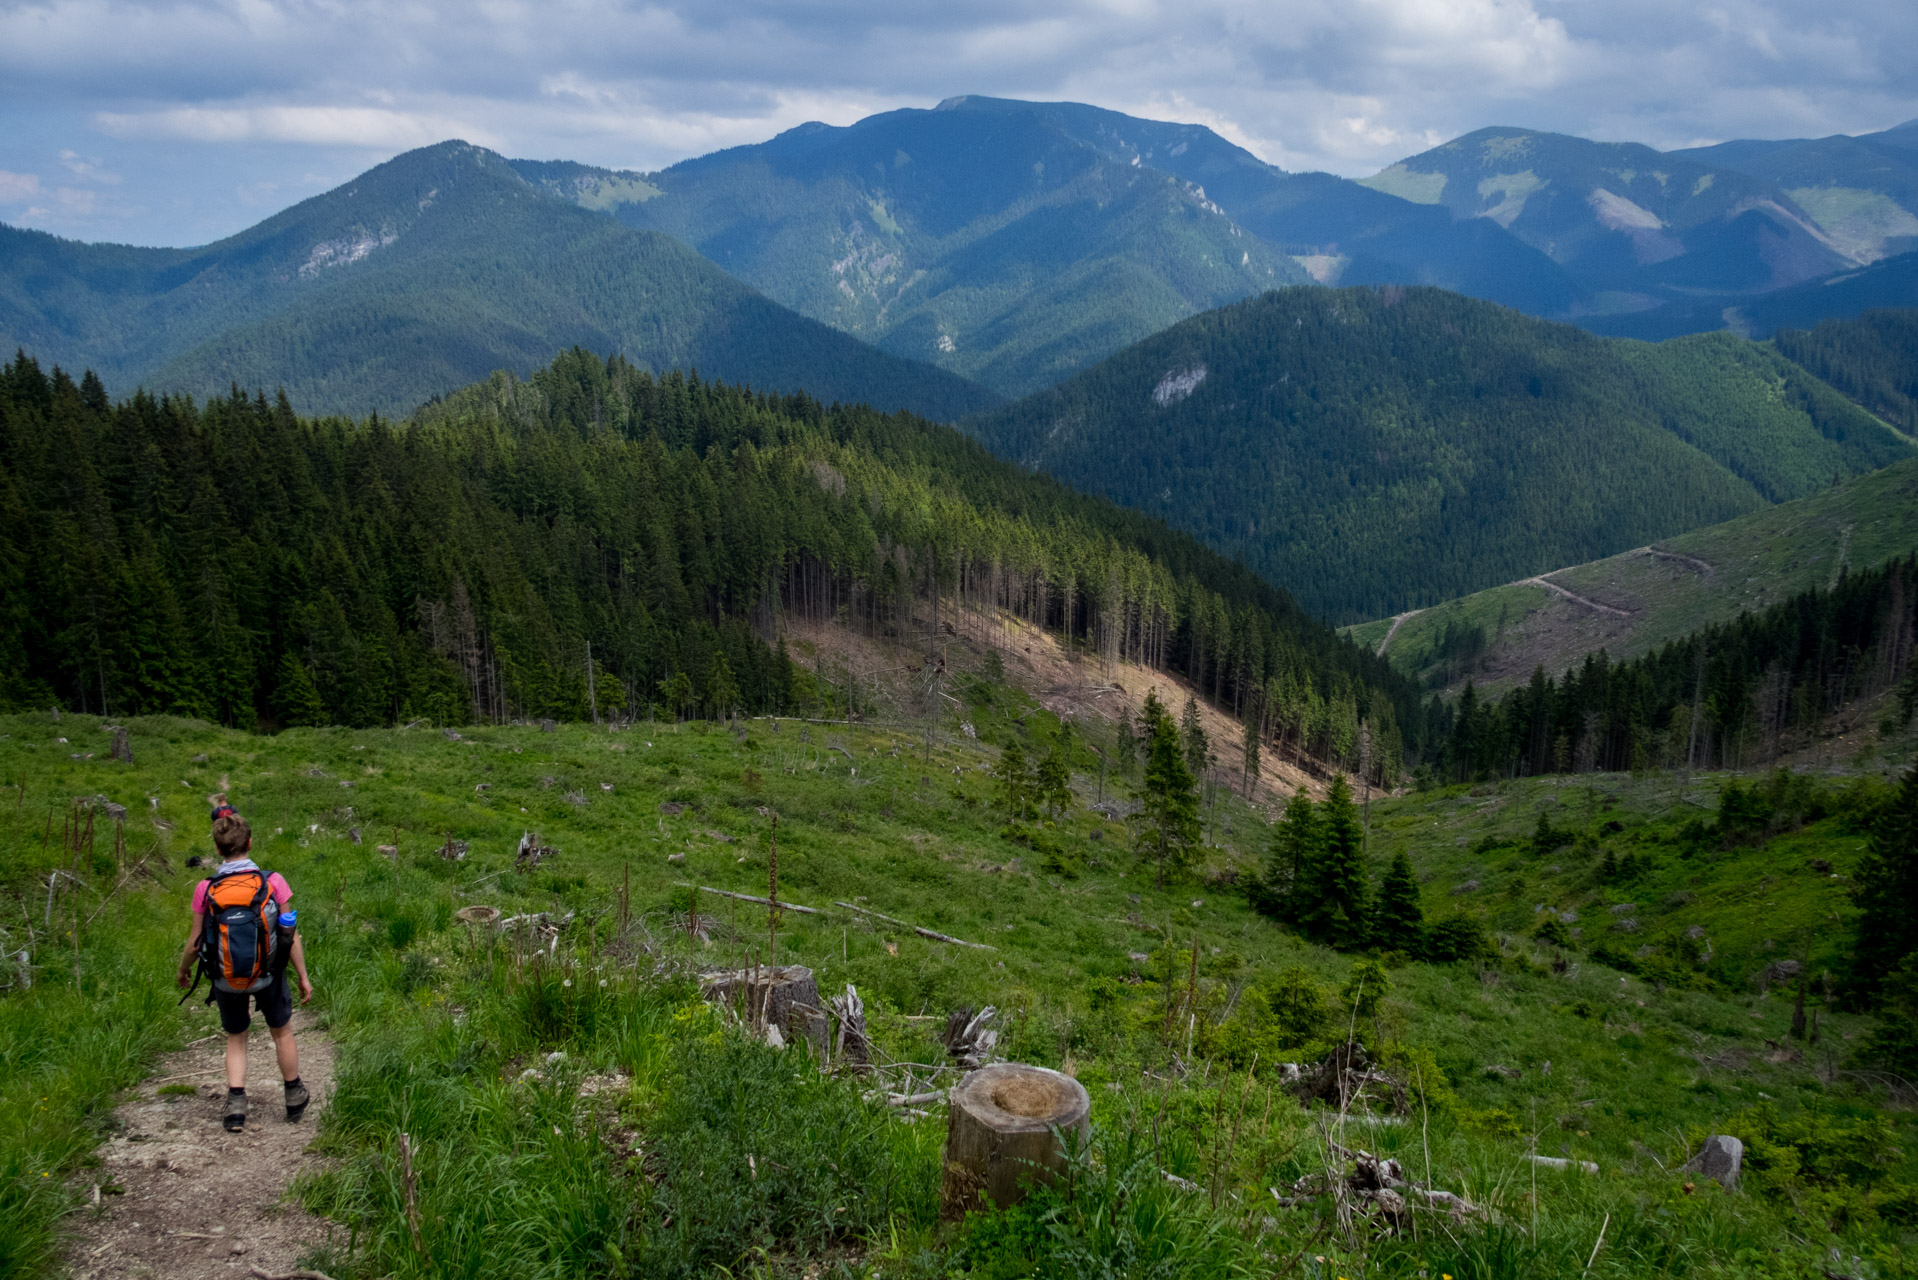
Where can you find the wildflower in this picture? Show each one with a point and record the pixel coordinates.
(567, 983)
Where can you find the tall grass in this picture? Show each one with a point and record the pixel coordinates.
(66, 1049)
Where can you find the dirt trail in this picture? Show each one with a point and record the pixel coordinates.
(1692, 562)
(1573, 596)
(199, 1201)
(1398, 621)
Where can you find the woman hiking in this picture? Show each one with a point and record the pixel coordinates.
(243, 938)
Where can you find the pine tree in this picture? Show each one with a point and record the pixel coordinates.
(1399, 922)
(1291, 862)
(677, 692)
(1251, 769)
(1886, 930)
(1125, 749)
(1053, 779)
(722, 691)
(1169, 806)
(1198, 750)
(1334, 910)
(1015, 783)
(296, 699)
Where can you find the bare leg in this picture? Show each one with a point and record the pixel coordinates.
(289, 1052)
(236, 1060)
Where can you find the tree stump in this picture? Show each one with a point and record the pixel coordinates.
(1000, 1133)
(784, 996)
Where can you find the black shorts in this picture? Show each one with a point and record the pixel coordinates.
(274, 1000)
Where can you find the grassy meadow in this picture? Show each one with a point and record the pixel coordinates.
(571, 1108)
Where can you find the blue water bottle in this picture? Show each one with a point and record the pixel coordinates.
(283, 952)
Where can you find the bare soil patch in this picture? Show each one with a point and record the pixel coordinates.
(195, 1200)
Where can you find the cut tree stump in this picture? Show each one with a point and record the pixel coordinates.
(1003, 1133)
(784, 996)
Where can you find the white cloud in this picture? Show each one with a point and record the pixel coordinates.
(18, 188)
(375, 127)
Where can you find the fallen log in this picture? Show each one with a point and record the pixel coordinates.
(747, 897)
(924, 933)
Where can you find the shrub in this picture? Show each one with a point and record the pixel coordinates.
(1459, 937)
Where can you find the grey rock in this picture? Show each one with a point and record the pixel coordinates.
(1720, 1160)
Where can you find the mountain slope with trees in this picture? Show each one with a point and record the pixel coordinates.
(418, 277)
(1378, 449)
(992, 243)
(1873, 359)
(590, 541)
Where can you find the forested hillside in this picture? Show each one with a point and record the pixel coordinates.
(1377, 449)
(1873, 359)
(1729, 696)
(239, 563)
(416, 278)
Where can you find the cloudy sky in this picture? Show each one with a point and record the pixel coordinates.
(179, 121)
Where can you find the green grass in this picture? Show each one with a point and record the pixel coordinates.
(448, 1038)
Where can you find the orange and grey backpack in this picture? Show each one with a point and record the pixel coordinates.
(241, 949)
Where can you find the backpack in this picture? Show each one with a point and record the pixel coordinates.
(241, 948)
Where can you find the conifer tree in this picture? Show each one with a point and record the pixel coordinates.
(1399, 922)
(1333, 912)
(677, 692)
(1169, 806)
(1053, 778)
(722, 691)
(1198, 749)
(296, 699)
(1015, 783)
(1886, 890)
(1251, 768)
(1291, 862)
(1125, 750)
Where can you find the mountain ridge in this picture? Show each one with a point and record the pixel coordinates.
(422, 275)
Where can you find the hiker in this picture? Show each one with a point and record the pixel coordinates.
(241, 942)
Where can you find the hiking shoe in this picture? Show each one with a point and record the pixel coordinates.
(296, 1099)
(235, 1112)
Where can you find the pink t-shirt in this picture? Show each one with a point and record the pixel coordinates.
(275, 883)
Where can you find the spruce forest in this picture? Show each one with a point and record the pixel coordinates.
(237, 563)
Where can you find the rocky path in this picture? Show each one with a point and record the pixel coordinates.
(197, 1201)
